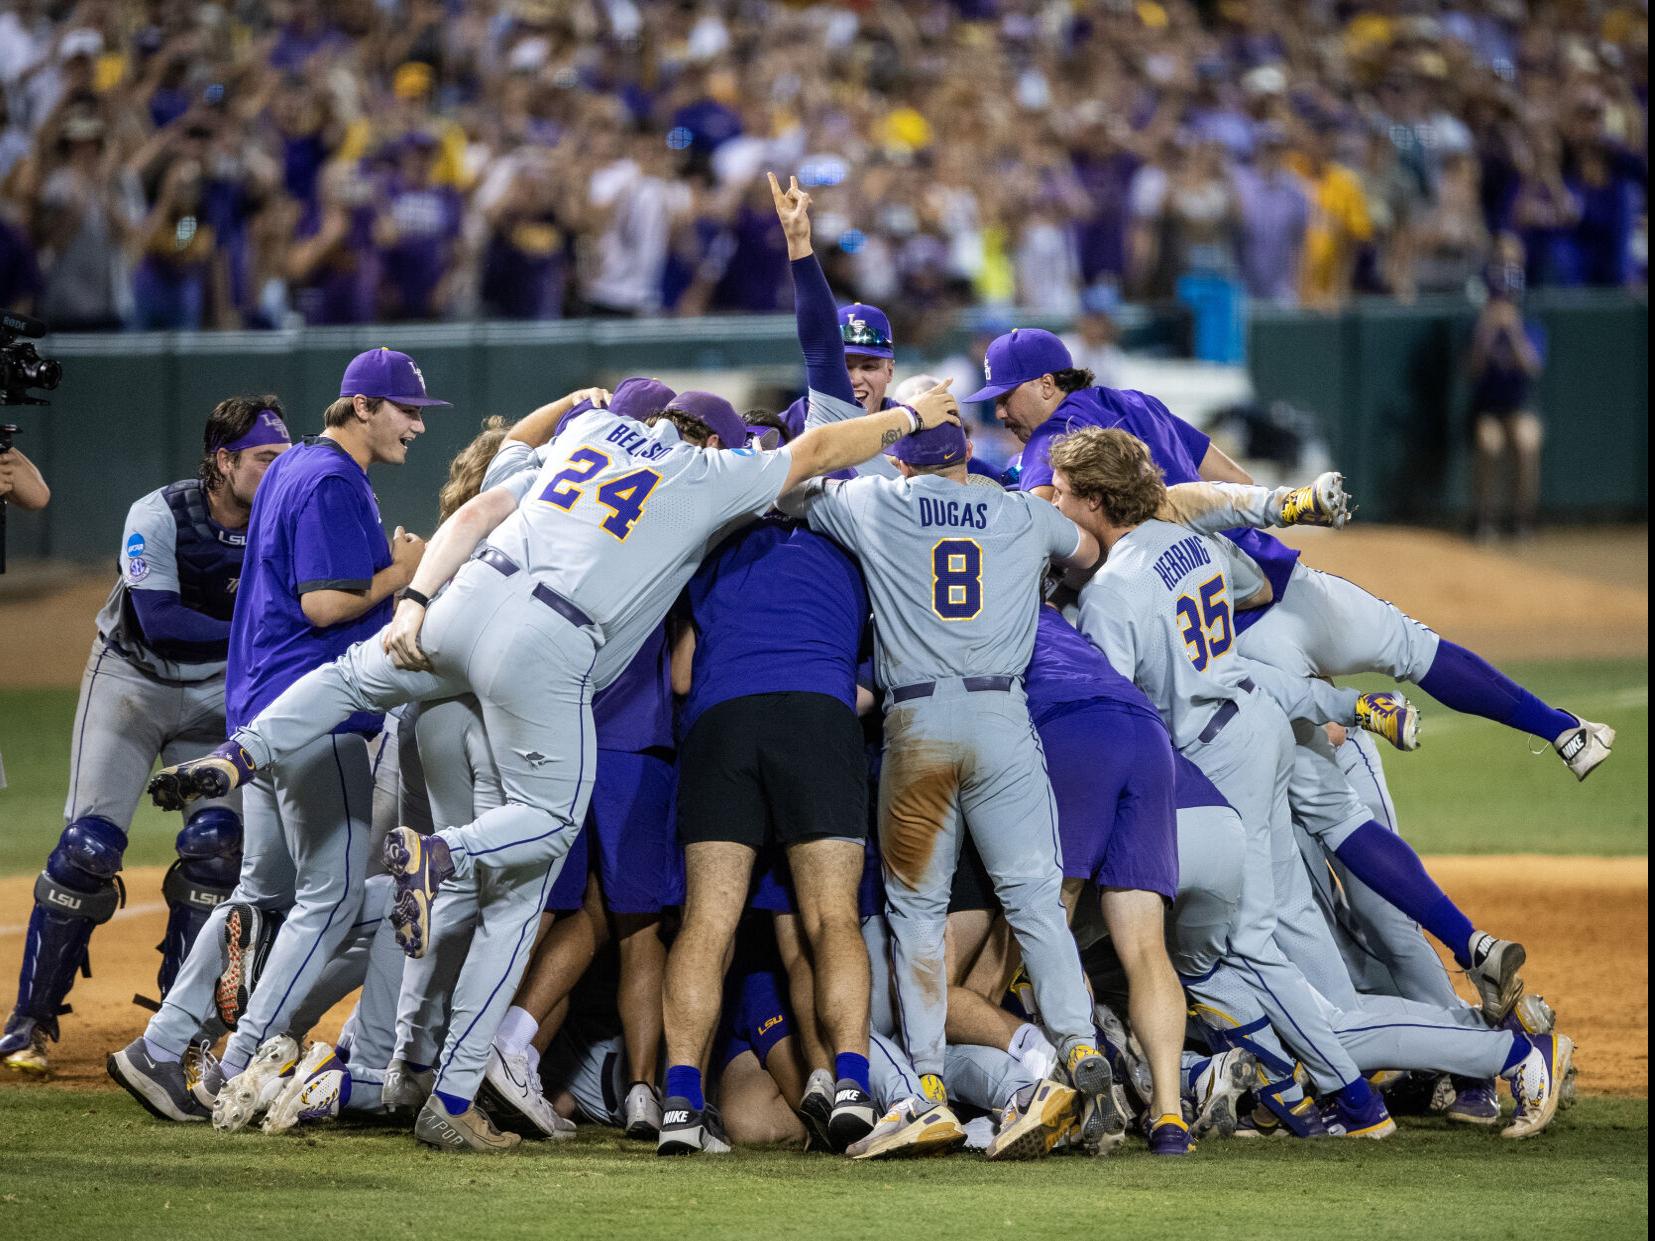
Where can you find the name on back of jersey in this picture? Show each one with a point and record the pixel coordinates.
(1180, 560)
(638, 445)
(953, 513)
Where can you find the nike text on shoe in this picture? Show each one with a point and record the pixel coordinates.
(853, 1115)
(1583, 747)
(471, 1130)
(1494, 971)
(158, 1085)
(1389, 715)
(687, 1130)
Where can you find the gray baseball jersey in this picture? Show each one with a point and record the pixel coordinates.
(822, 409)
(1161, 607)
(583, 525)
(953, 571)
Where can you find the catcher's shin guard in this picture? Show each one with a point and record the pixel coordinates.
(208, 865)
(79, 889)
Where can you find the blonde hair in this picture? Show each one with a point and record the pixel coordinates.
(1115, 469)
(465, 472)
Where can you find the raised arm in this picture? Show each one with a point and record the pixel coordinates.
(814, 313)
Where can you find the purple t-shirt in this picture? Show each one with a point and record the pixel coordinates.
(1174, 445)
(633, 713)
(315, 526)
(1067, 668)
(777, 609)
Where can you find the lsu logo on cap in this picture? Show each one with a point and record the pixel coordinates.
(418, 374)
(988, 371)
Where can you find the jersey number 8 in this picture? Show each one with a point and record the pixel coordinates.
(623, 496)
(1206, 628)
(957, 579)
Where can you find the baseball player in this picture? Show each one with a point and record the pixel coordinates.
(1319, 624)
(323, 579)
(579, 569)
(1313, 624)
(1160, 606)
(154, 685)
(953, 573)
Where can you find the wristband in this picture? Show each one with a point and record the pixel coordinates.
(408, 592)
(915, 423)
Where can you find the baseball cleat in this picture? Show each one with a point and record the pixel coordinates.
(642, 1110)
(158, 1085)
(1369, 1120)
(1531, 1015)
(1227, 1077)
(1497, 979)
(406, 1089)
(1537, 1085)
(1102, 1119)
(912, 1129)
(1475, 1103)
(1297, 1120)
(687, 1130)
(244, 1097)
(418, 864)
(511, 1097)
(318, 1090)
(471, 1130)
(202, 1073)
(212, 776)
(853, 1116)
(1389, 715)
(1321, 503)
(1029, 1128)
(243, 926)
(815, 1110)
(1170, 1136)
(23, 1049)
(1584, 746)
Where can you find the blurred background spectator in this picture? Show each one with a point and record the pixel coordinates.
(238, 164)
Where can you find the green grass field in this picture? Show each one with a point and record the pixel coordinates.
(78, 1164)
(1472, 788)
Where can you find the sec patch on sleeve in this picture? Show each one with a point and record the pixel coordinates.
(137, 568)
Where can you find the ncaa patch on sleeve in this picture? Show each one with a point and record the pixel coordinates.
(135, 545)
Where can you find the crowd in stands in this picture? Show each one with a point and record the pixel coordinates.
(265, 163)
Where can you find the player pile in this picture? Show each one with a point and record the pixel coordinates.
(1132, 866)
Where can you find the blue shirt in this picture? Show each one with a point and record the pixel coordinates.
(633, 713)
(1174, 445)
(777, 609)
(1066, 668)
(315, 526)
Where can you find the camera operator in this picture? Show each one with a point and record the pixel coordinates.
(20, 482)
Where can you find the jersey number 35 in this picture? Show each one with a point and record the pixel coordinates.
(1206, 625)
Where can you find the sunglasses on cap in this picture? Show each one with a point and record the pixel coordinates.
(861, 332)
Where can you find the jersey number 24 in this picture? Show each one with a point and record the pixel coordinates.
(624, 496)
(1206, 625)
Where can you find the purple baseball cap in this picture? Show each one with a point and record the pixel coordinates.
(719, 415)
(635, 397)
(763, 437)
(387, 374)
(1022, 354)
(794, 417)
(866, 330)
(940, 445)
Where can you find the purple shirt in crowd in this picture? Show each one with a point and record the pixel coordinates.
(1275, 212)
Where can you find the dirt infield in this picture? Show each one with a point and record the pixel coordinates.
(1507, 602)
(1585, 922)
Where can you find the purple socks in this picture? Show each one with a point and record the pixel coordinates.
(1468, 683)
(1388, 864)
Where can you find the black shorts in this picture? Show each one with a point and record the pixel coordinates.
(773, 767)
